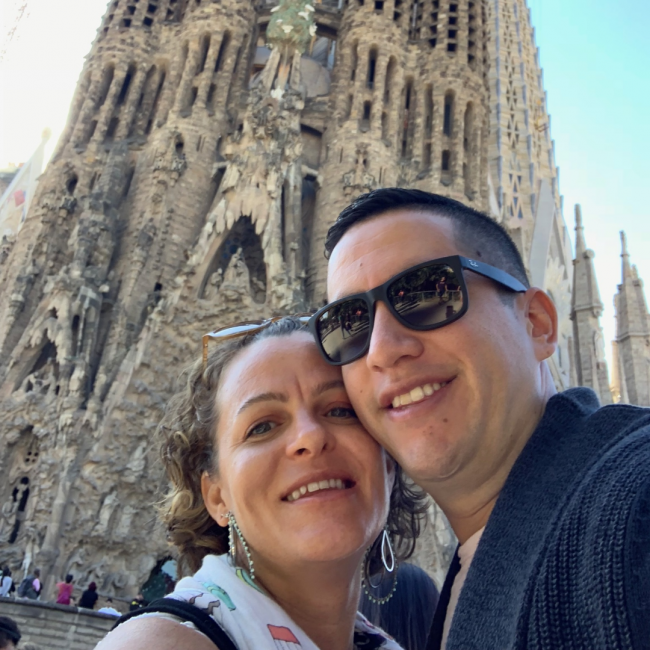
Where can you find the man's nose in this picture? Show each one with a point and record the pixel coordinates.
(391, 341)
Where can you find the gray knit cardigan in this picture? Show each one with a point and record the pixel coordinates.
(564, 562)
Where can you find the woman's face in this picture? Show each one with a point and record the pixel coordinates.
(303, 478)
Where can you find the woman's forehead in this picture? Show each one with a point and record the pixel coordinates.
(275, 364)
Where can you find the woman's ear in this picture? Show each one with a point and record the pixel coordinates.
(213, 498)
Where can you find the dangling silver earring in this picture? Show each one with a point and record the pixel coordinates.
(233, 526)
(386, 552)
(385, 543)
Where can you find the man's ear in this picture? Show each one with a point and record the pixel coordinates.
(213, 498)
(541, 317)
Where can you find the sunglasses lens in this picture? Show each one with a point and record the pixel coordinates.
(427, 297)
(343, 330)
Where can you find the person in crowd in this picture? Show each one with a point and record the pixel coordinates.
(108, 608)
(547, 492)
(89, 597)
(31, 586)
(6, 583)
(408, 615)
(65, 590)
(9, 633)
(280, 504)
(137, 603)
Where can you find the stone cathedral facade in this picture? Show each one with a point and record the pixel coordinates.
(210, 145)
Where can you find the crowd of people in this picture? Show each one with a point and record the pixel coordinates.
(31, 588)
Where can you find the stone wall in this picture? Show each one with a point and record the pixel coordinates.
(50, 626)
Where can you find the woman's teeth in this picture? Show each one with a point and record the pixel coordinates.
(327, 484)
(417, 394)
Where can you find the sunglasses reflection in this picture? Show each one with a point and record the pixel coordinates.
(424, 298)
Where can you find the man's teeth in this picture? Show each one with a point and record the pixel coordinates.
(327, 484)
(417, 394)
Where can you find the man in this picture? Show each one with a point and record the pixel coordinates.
(548, 494)
(9, 633)
(31, 586)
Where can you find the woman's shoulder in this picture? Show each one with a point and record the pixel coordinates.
(154, 633)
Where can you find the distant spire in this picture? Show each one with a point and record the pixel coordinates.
(626, 270)
(581, 246)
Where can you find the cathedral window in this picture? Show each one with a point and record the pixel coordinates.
(147, 21)
(126, 22)
(154, 105)
(390, 78)
(364, 123)
(209, 101)
(448, 117)
(384, 126)
(204, 49)
(354, 60)
(19, 495)
(372, 68)
(428, 111)
(112, 129)
(225, 42)
(445, 176)
(408, 121)
(71, 184)
(179, 146)
(126, 85)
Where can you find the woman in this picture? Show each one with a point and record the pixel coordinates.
(65, 590)
(277, 493)
(6, 582)
(89, 597)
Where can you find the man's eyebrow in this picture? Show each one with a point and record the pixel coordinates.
(262, 397)
(328, 385)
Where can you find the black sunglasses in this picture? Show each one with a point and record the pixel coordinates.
(424, 297)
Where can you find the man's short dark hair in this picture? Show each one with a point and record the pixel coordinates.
(9, 632)
(477, 235)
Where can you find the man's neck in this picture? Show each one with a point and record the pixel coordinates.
(321, 598)
(468, 498)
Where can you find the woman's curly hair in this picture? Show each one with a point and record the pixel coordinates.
(187, 434)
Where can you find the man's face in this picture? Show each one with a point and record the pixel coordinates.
(486, 361)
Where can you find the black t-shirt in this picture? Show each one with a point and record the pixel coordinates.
(88, 599)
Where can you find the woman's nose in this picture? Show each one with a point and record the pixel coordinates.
(309, 437)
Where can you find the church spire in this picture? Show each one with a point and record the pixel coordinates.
(581, 246)
(586, 308)
(632, 331)
(625, 257)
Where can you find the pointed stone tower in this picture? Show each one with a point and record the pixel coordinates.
(523, 177)
(586, 309)
(632, 334)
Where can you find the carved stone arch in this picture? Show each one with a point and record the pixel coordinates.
(242, 236)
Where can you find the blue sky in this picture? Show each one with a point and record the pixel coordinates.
(595, 57)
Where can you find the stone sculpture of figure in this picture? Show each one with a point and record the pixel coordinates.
(7, 517)
(213, 284)
(237, 275)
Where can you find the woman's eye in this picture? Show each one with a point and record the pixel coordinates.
(342, 412)
(261, 428)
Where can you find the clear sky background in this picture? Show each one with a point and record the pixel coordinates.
(595, 56)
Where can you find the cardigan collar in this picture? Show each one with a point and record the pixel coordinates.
(559, 449)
